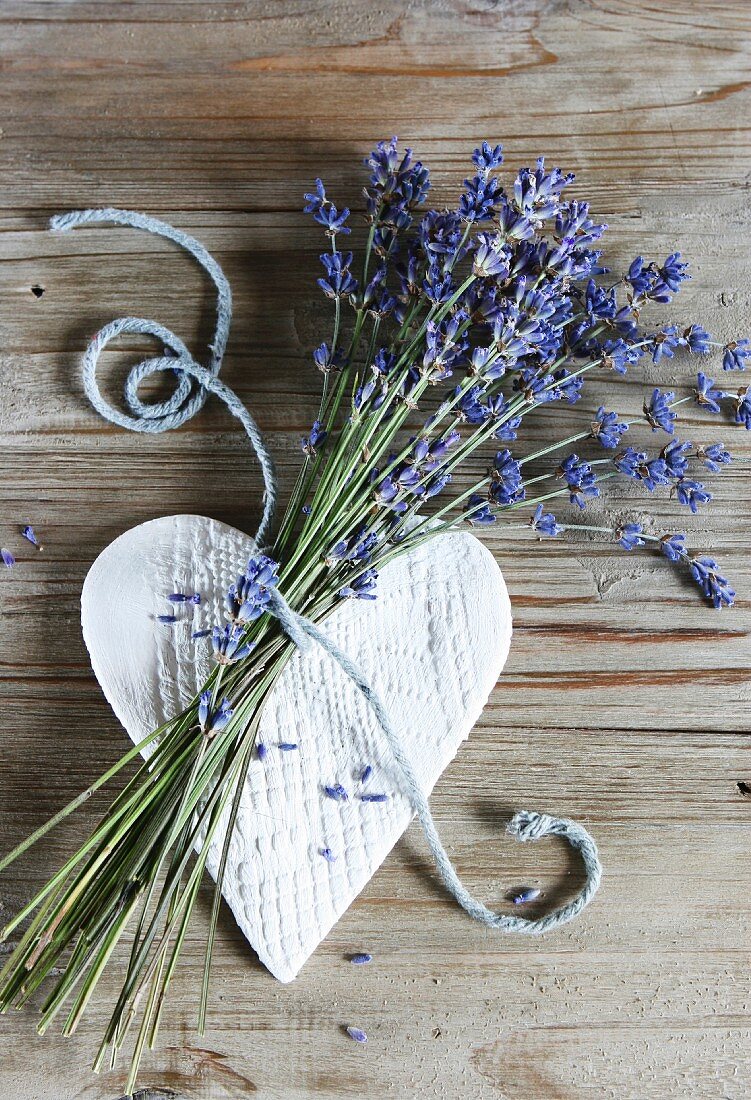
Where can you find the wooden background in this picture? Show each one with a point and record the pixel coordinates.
(625, 702)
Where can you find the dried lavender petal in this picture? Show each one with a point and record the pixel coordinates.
(167, 618)
(361, 959)
(374, 798)
(195, 598)
(287, 746)
(30, 535)
(526, 893)
(357, 1034)
(366, 773)
(177, 597)
(201, 633)
(8, 560)
(261, 751)
(328, 855)
(337, 792)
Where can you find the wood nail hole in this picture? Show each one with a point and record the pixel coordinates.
(37, 290)
(744, 788)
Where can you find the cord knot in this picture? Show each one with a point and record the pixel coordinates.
(528, 825)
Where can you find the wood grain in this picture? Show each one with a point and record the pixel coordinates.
(625, 702)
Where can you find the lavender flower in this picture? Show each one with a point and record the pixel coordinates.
(714, 456)
(607, 429)
(328, 216)
(659, 413)
(713, 585)
(580, 479)
(30, 536)
(635, 464)
(336, 792)
(735, 355)
(8, 560)
(545, 523)
(339, 281)
(261, 751)
(201, 633)
(629, 535)
(743, 407)
(706, 395)
(328, 855)
(248, 597)
(160, 618)
(698, 340)
(357, 1034)
(478, 512)
(228, 644)
(361, 959)
(674, 457)
(213, 720)
(374, 798)
(691, 493)
(366, 773)
(673, 547)
(525, 894)
(506, 486)
(362, 587)
(317, 438)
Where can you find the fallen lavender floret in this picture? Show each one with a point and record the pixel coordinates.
(357, 1034)
(30, 535)
(336, 792)
(525, 894)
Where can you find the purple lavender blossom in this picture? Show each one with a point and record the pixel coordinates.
(30, 535)
(361, 588)
(580, 479)
(248, 598)
(545, 523)
(714, 456)
(706, 395)
(607, 429)
(8, 560)
(635, 464)
(213, 720)
(691, 493)
(629, 535)
(674, 457)
(735, 354)
(336, 792)
(673, 547)
(658, 411)
(228, 645)
(713, 585)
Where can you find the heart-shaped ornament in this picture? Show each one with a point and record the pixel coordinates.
(432, 645)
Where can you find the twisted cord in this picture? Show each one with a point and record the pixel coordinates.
(194, 382)
(524, 826)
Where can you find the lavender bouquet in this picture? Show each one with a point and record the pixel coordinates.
(456, 327)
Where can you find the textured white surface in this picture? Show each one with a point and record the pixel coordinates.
(432, 645)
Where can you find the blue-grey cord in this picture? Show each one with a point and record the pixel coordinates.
(188, 397)
(193, 384)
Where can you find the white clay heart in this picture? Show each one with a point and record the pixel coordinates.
(432, 645)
